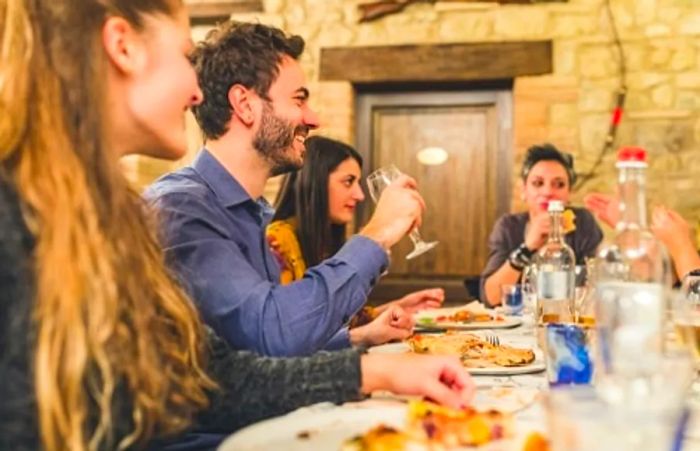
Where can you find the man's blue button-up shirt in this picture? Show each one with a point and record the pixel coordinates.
(214, 235)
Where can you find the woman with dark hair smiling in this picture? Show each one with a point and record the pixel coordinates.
(547, 174)
(313, 209)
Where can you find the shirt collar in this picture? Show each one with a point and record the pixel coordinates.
(222, 182)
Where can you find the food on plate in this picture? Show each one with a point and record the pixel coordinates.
(433, 427)
(462, 316)
(536, 442)
(474, 351)
(382, 438)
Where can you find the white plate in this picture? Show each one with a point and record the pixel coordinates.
(535, 367)
(325, 427)
(432, 324)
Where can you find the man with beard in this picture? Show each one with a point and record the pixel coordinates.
(255, 117)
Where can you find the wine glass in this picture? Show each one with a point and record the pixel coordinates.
(686, 321)
(376, 182)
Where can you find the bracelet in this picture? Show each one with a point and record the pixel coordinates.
(520, 257)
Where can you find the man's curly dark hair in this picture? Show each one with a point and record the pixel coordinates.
(237, 53)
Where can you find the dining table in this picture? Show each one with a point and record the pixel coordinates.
(523, 396)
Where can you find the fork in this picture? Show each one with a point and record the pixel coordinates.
(492, 339)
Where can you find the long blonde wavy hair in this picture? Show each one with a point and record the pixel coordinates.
(112, 329)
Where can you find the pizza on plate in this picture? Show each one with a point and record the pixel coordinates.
(464, 317)
(434, 427)
(474, 351)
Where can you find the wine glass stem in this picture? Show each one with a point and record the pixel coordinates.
(415, 236)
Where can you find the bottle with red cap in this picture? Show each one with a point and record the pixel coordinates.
(633, 277)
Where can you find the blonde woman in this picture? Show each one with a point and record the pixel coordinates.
(99, 348)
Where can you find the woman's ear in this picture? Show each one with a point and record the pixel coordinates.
(241, 100)
(123, 45)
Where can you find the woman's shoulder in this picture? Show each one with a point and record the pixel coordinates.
(511, 221)
(584, 217)
(12, 226)
(283, 231)
(284, 244)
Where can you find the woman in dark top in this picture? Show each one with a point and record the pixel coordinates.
(99, 348)
(547, 174)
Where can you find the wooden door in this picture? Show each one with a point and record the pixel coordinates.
(464, 195)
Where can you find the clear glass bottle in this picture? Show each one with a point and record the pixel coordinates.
(555, 263)
(633, 276)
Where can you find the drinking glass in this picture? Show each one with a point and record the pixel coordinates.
(686, 321)
(376, 182)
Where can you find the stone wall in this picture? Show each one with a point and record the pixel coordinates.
(570, 107)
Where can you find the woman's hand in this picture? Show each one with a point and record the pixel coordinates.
(442, 379)
(537, 231)
(417, 301)
(604, 206)
(671, 229)
(394, 323)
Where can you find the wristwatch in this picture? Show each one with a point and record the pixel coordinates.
(694, 272)
(520, 257)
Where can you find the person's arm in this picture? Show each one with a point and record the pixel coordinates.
(19, 426)
(253, 388)
(248, 310)
(515, 259)
(605, 207)
(672, 230)
(416, 301)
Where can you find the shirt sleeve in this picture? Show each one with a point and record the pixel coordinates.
(340, 340)
(589, 237)
(499, 250)
(252, 388)
(19, 427)
(244, 307)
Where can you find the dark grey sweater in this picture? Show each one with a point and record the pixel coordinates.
(252, 387)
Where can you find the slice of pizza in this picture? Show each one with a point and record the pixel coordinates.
(451, 428)
(384, 438)
(433, 427)
(472, 350)
(468, 316)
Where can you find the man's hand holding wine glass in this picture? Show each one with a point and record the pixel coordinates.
(398, 211)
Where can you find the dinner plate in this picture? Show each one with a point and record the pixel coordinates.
(535, 367)
(326, 427)
(427, 319)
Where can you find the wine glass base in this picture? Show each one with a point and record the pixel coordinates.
(421, 249)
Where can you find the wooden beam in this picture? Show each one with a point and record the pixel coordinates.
(212, 11)
(443, 62)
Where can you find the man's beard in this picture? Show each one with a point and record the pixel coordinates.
(274, 140)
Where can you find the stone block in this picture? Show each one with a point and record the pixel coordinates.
(657, 30)
(592, 131)
(688, 100)
(564, 57)
(563, 115)
(645, 11)
(683, 58)
(646, 80)
(571, 25)
(597, 62)
(690, 24)
(596, 100)
(689, 80)
(522, 22)
(465, 26)
(662, 96)
(274, 6)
